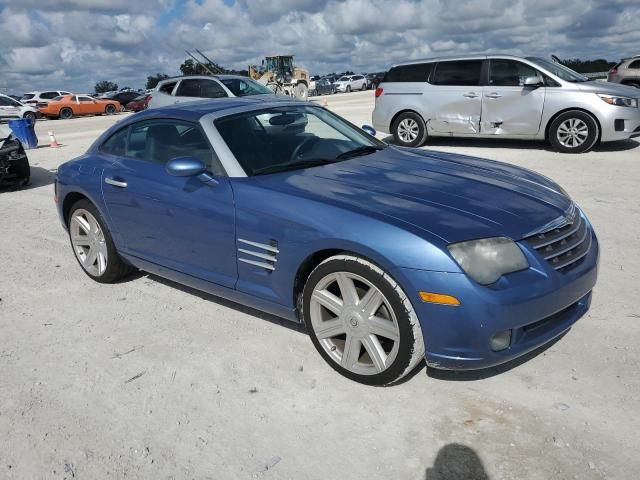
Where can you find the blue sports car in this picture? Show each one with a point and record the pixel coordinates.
(388, 255)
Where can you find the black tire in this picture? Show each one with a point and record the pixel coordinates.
(348, 89)
(30, 115)
(22, 170)
(110, 109)
(116, 268)
(410, 350)
(632, 84)
(364, 87)
(398, 128)
(580, 118)
(65, 113)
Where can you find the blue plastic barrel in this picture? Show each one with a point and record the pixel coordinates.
(24, 130)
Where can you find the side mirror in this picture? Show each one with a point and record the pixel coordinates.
(185, 167)
(369, 129)
(533, 82)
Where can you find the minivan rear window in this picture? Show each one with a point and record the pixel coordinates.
(634, 65)
(461, 72)
(417, 72)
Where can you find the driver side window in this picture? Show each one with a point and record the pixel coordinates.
(509, 73)
(159, 141)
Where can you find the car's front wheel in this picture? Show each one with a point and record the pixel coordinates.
(573, 132)
(409, 130)
(361, 321)
(30, 116)
(92, 244)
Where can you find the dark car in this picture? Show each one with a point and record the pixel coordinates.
(123, 97)
(324, 86)
(139, 103)
(374, 79)
(14, 164)
(388, 255)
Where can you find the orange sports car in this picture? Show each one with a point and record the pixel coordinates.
(68, 106)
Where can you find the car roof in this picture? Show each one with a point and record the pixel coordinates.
(194, 111)
(459, 57)
(219, 77)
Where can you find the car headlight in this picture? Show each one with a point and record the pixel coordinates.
(619, 101)
(486, 260)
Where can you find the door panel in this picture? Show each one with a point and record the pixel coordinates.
(509, 108)
(454, 102)
(176, 222)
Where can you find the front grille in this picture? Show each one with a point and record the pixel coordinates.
(562, 247)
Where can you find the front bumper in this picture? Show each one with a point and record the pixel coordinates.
(537, 305)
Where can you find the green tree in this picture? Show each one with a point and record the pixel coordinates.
(105, 86)
(153, 80)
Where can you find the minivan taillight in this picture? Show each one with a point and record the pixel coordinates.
(378, 91)
(614, 70)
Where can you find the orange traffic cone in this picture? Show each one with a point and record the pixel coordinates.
(325, 102)
(53, 143)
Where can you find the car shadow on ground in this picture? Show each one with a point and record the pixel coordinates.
(434, 142)
(456, 462)
(298, 327)
(40, 177)
(474, 375)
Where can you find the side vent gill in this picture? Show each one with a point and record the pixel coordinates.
(259, 254)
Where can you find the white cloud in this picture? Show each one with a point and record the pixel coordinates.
(74, 43)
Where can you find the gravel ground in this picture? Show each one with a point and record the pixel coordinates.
(148, 379)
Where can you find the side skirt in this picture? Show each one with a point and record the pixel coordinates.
(272, 308)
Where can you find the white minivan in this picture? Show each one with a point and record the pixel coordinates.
(503, 96)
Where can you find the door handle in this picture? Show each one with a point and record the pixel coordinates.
(493, 95)
(115, 183)
(471, 95)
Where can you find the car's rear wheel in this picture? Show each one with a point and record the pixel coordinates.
(364, 86)
(348, 90)
(633, 84)
(573, 132)
(110, 109)
(92, 244)
(361, 321)
(66, 113)
(409, 130)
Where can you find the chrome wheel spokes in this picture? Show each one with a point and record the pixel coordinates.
(88, 242)
(354, 323)
(572, 133)
(408, 130)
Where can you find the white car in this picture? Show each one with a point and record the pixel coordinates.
(34, 98)
(12, 109)
(349, 83)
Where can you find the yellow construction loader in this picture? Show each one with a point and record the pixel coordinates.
(278, 73)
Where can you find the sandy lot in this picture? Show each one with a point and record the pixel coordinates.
(147, 379)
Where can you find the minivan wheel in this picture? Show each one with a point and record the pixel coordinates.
(361, 321)
(409, 130)
(573, 132)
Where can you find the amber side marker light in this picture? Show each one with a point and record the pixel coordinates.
(440, 298)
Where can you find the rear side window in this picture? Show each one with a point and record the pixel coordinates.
(635, 64)
(200, 88)
(458, 73)
(418, 72)
(168, 87)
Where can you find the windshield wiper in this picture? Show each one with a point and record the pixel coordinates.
(358, 152)
(283, 167)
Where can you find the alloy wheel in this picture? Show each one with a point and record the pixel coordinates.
(89, 243)
(572, 133)
(354, 323)
(408, 130)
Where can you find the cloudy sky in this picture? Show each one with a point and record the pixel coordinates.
(72, 44)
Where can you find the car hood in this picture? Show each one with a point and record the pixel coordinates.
(441, 195)
(609, 88)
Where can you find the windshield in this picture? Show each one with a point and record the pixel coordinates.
(27, 96)
(343, 79)
(292, 137)
(241, 87)
(565, 73)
